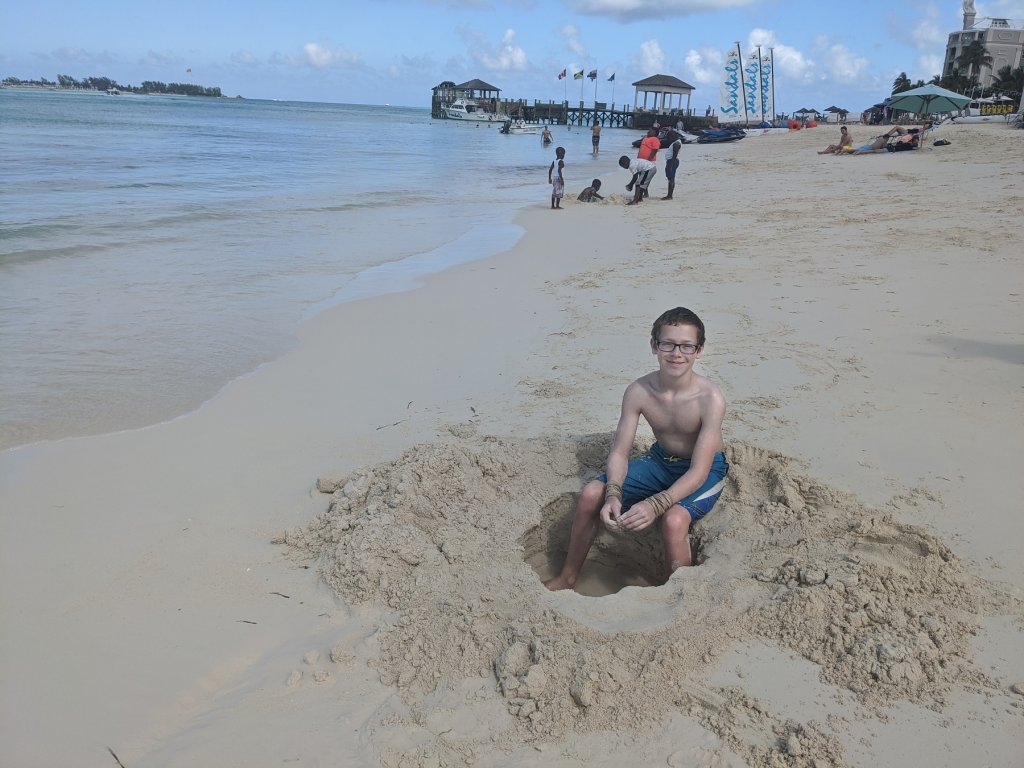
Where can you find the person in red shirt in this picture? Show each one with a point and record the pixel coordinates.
(649, 146)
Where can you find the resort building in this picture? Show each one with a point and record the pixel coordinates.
(1003, 39)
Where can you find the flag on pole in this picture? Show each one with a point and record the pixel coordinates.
(561, 74)
(578, 75)
(592, 74)
(612, 78)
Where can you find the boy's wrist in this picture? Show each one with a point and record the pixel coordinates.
(660, 503)
(612, 491)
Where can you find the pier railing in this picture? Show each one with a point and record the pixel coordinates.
(585, 115)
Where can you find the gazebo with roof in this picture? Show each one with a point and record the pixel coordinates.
(664, 88)
(476, 90)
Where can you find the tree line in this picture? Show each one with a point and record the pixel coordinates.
(972, 59)
(106, 84)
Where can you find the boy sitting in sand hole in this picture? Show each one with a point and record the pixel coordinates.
(681, 477)
(590, 194)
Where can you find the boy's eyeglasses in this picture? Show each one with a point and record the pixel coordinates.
(668, 346)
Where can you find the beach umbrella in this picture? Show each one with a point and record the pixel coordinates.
(927, 100)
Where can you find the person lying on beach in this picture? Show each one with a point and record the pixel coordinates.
(681, 477)
(643, 172)
(845, 142)
(910, 138)
(590, 194)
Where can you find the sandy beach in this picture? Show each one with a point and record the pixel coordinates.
(338, 560)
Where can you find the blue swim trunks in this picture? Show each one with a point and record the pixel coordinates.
(656, 470)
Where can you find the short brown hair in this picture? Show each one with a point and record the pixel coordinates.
(679, 316)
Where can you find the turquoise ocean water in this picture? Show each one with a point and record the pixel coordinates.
(153, 248)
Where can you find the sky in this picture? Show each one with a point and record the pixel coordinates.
(394, 51)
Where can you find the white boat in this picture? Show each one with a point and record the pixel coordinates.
(460, 109)
(996, 109)
(518, 126)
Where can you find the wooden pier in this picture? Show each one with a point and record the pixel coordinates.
(566, 113)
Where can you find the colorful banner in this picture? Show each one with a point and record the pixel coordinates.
(752, 88)
(561, 74)
(730, 106)
(768, 86)
(578, 75)
(592, 74)
(612, 78)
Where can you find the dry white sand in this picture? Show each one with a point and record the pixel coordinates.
(859, 597)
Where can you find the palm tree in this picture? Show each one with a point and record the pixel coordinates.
(1009, 82)
(974, 57)
(901, 83)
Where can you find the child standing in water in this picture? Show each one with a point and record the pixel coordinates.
(556, 179)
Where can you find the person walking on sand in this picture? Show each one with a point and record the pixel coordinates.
(643, 171)
(595, 136)
(556, 179)
(678, 481)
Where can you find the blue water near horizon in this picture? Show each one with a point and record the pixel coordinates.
(154, 248)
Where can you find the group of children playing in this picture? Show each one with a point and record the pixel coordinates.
(643, 168)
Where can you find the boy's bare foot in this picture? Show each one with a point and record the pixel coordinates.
(558, 583)
(667, 197)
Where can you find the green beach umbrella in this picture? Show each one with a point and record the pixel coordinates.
(927, 100)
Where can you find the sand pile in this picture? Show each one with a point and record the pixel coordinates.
(454, 537)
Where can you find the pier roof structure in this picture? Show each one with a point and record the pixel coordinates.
(665, 89)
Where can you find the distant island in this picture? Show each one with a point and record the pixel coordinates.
(69, 83)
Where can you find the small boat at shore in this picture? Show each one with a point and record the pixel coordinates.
(996, 109)
(461, 109)
(519, 127)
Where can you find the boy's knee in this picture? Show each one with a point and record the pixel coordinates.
(676, 522)
(592, 496)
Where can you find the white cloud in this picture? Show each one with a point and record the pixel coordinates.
(927, 33)
(321, 57)
(787, 59)
(161, 59)
(704, 67)
(843, 66)
(635, 10)
(509, 57)
(930, 65)
(572, 40)
(243, 57)
(652, 58)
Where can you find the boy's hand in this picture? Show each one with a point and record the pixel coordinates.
(629, 187)
(610, 513)
(639, 516)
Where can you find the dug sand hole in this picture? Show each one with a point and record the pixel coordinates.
(614, 561)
